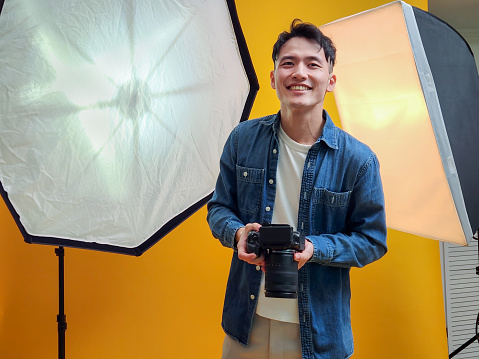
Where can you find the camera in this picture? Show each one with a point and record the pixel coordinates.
(278, 243)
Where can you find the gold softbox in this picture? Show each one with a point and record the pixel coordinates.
(408, 87)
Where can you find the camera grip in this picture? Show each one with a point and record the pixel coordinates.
(252, 243)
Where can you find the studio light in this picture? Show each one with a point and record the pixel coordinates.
(408, 87)
(113, 115)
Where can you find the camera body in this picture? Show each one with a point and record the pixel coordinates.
(278, 243)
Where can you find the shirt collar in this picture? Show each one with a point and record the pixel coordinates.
(330, 132)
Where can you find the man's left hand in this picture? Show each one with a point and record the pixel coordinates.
(304, 256)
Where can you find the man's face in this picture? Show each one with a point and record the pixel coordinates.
(301, 76)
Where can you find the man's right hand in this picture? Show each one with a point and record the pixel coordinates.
(240, 238)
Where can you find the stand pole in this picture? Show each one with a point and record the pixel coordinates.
(61, 317)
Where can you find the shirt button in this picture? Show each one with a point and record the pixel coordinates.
(271, 181)
(252, 297)
(268, 209)
(275, 151)
(258, 267)
(245, 174)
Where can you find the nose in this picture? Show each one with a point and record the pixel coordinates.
(300, 72)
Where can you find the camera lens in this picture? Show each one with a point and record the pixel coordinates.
(281, 274)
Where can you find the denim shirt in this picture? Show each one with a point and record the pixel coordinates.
(341, 211)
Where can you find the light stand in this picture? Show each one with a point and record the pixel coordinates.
(120, 96)
(476, 336)
(61, 317)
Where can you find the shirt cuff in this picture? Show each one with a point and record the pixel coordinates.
(230, 233)
(323, 251)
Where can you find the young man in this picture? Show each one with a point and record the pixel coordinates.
(297, 168)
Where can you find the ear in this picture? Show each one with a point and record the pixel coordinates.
(273, 83)
(331, 82)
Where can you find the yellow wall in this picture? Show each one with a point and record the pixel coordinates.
(167, 303)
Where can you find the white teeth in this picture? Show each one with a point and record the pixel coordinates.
(299, 88)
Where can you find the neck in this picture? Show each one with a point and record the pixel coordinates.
(304, 127)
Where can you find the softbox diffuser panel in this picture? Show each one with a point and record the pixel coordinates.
(456, 80)
(113, 115)
(389, 96)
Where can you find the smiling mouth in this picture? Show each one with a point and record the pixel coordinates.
(299, 88)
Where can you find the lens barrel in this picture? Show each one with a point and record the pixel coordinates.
(281, 274)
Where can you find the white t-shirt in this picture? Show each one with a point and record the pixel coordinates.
(292, 156)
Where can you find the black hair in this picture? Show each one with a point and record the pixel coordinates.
(310, 32)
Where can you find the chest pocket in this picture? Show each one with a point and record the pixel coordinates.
(330, 210)
(250, 187)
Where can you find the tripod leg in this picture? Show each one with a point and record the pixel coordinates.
(462, 347)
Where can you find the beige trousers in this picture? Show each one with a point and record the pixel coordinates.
(269, 339)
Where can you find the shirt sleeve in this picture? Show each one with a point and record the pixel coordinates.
(222, 208)
(364, 237)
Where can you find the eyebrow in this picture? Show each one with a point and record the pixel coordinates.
(293, 57)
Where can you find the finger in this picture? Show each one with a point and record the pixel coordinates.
(252, 259)
(251, 227)
(247, 257)
(299, 256)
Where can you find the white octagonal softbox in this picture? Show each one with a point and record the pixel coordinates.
(408, 87)
(113, 115)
